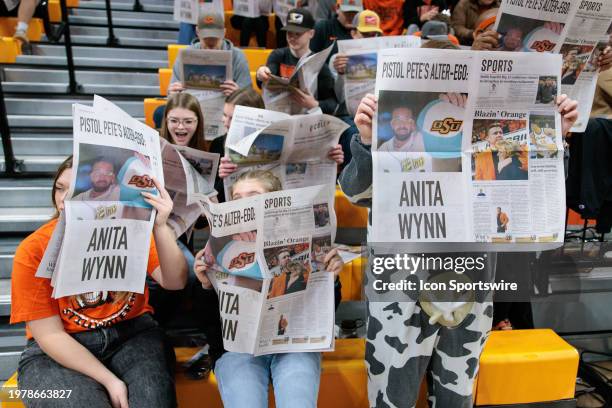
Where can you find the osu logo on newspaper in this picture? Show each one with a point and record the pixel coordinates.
(446, 125)
(143, 181)
(241, 260)
(542, 45)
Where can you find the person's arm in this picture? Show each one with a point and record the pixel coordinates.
(172, 271)
(459, 22)
(240, 68)
(174, 84)
(273, 64)
(50, 335)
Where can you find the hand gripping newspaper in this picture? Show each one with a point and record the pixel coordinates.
(277, 92)
(469, 157)
(101, 242)
(578, 30)
(293, 148)
(266, 254)
(360, 76)
(186, 11)
(190, 179)
(201, 73)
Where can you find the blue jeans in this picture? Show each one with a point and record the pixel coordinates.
(186, 33)
(244, 379)
(134, 350)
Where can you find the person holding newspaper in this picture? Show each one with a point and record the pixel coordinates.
(103, 348)
(398, 386)
(211, 36)
(282, 62)
(295, 376)
(338, 27)
(465, 15)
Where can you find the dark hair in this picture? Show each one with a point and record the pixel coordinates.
(246, 97)
(66, 164)
(102, 159)
(186, 101)
(440, 44)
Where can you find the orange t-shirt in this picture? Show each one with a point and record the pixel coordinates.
(391, 14)
(31, 296)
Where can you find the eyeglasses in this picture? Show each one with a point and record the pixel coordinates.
(188, 122)
(103, 173)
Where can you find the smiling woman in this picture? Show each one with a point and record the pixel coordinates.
(183, 122)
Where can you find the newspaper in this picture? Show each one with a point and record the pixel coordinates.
(274, 294)
(252, 8)
(11, 4)
(281, 9)
(277, 92)
(360, 75)
(470, 156)
(190, 179)
(101, 242)
(187, 11)
(202, 72)
(293, 148)
(579, 30)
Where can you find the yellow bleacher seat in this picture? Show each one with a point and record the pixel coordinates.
(254, 82)
(8, 24)
(525, 366)
(5, 394)
(234, 35)
(349, 215)
(55, 11)
(351, 278)
(9, 50)
(256, 57)
(150, 104)
(173, 50)
(164, 80)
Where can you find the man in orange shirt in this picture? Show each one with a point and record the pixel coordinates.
(502, 220)
(486, 162)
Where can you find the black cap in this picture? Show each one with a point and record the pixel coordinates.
(299, 20)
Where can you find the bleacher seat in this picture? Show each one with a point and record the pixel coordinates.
(8, 50)
(150, 104)
(348, 214)
(351, 277)
(165, 74)
(526, 366)
(256, 57)
(173, 50)
(35, 28)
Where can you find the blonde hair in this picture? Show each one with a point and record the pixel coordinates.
(509, 148)
(269, 181)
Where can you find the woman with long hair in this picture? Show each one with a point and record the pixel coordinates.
(98, 349)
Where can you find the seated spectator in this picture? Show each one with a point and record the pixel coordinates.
(336, 28)
(249, 25)
(282, 62)
(418, 12)
(465, 16)
(211, 36)
(438, 28)
(391, 14)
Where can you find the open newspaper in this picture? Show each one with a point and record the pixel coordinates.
(267, 256)
(201, 73)
(293, 148)
(579, 30)
(187, 11)
(190, 179)
(252, 8)
(277, 92)
(360, 76)
(469, 156)
(101, 242)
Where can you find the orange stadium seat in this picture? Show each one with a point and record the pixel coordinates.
(256, 57)
(526, 366)
(349, 215)
(8, 50)
(173, 50)
(165, 74)
(351, 277)
(150, 104)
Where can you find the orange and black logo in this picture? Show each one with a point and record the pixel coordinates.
(242, 260)
(143, 181)
(209, 20)
(542, 45)
(446, 125)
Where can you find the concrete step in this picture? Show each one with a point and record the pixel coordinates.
(128, 2)
(25, 192)
(5, 297)
(24, 219)
(61, 107)
(151, 32)
(126, 41)
(123, 18)
(18, 80)
(7, 252)
(127, 6)
(36, 164)
(9, 359)
(100, 57)
(41, 144)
